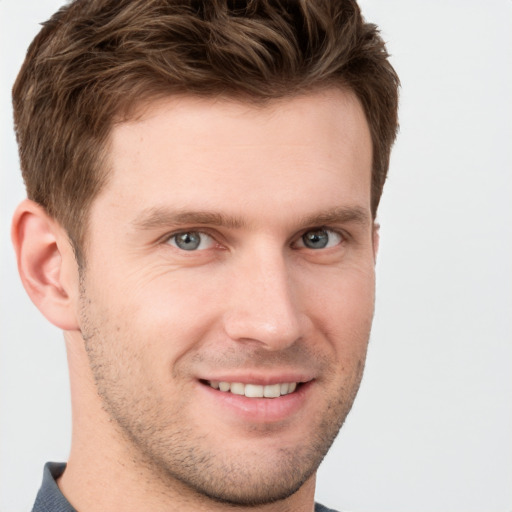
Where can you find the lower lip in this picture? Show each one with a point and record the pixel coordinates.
(260, 410)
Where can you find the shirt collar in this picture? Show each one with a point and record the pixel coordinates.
(49, 498)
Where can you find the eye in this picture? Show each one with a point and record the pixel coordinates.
(191, 241)
(320, 239)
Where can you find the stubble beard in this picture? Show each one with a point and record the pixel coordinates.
(178, 457)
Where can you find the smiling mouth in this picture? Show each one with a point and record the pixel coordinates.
(254, 390)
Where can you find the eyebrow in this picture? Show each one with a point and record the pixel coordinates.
(339, 215)
(154, 218)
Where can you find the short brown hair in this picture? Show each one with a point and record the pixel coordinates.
(96, 59)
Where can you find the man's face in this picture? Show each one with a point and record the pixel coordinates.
(232, 244)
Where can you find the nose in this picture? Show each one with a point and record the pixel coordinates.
(263, 303)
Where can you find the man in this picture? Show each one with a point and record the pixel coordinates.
(203, 180)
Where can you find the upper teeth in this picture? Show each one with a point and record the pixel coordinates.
(255, 390)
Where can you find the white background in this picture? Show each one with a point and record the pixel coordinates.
(431, 429)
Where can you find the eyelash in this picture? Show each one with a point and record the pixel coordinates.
(173, 236)
(337, 234)
(341, 235)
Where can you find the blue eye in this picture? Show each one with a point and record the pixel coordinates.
(191, 241)
(320, 239)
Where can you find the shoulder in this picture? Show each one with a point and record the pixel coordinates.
(321, 508)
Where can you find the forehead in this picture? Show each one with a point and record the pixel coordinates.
(241, 157)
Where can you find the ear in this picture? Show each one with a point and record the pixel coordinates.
(46, 264)
(375, 239)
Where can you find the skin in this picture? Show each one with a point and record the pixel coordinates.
(147, 323)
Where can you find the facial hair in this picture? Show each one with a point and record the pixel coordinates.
(174, 450)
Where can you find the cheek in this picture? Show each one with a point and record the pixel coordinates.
(347, 291)
(342, 306)
(165, 310)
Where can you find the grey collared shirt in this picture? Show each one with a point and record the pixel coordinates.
(49, 498)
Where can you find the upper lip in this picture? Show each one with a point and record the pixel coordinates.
(248, 377)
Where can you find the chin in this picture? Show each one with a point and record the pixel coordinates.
(251, 487)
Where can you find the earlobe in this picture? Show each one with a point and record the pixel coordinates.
(45, 264)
